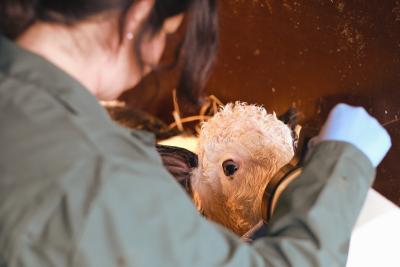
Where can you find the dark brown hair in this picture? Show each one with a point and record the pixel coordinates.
(197, 52)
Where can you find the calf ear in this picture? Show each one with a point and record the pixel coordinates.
(290, 118)
(180, 163)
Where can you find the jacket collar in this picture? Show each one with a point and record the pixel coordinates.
(28, 67)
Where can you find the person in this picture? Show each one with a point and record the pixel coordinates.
(78, 190)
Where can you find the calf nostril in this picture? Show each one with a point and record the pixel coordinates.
(230, 167)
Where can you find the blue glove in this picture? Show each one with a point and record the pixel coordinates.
(354, 125)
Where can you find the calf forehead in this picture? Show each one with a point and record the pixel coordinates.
(247, 142)
(242, 121)
(245, 132)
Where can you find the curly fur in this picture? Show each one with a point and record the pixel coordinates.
(259, 143)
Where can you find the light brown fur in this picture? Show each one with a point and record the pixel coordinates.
(259, 143)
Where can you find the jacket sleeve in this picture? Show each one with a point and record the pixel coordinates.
(316, 214)
(137, 215)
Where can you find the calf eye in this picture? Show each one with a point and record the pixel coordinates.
(230, 167)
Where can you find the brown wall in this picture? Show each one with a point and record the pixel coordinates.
(310, 54)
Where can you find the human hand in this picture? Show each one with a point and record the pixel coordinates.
(354, 125)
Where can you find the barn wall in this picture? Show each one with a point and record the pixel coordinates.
(307, 54)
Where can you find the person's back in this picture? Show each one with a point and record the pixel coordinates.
(76, 149)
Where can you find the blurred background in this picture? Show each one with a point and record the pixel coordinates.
(306, 54)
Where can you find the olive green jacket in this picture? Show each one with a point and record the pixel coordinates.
(78, 190)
